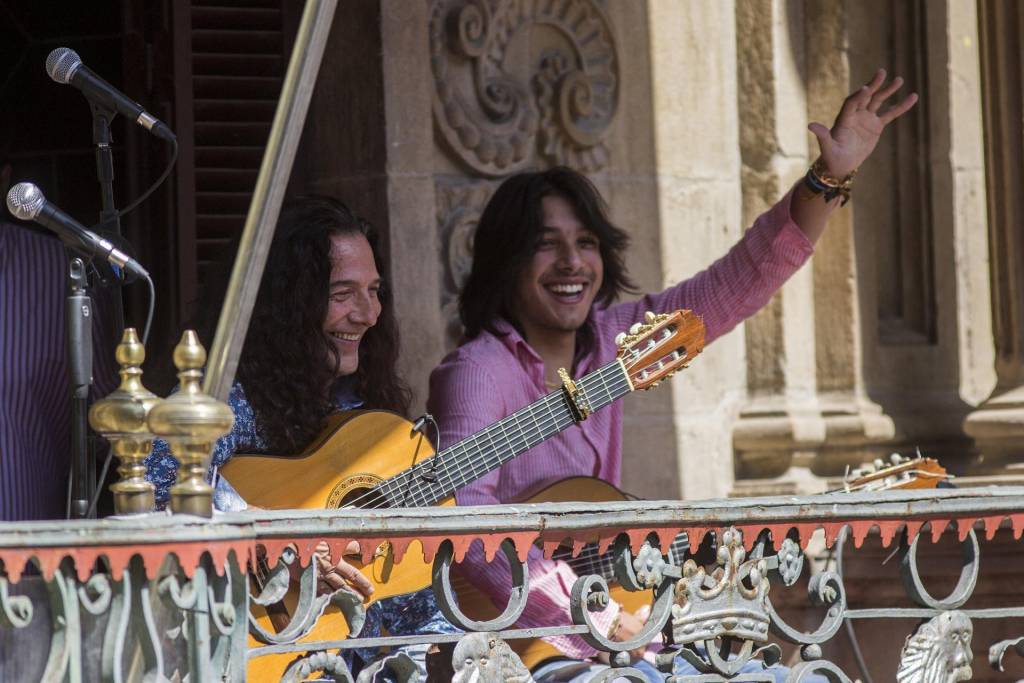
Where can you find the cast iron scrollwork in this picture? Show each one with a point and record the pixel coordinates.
(131, 622)
(66, 640)
(325, 664)
(15, 610)
(971, 557)
(309, 606)
(725, 611)
(647, 570)
(997, 651)
(449, 602)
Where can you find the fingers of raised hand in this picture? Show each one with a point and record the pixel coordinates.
(899, 109)
(854, 102)
(880, 96)
(863, 97)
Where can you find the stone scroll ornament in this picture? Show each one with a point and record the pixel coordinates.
(515, 80)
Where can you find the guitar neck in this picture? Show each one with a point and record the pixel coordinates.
(588, 562)
(437, 478)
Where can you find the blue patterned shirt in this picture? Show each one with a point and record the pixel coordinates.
(401, 615)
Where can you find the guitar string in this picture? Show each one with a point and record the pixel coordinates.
(407, 480)
(511, 438)
(504, 451)
(502, 442)
(502, 428)
(590, 561)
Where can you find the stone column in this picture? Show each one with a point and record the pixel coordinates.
(917, 233)
(998, 424)
(693, 74)
(780, 424)
(855, 426)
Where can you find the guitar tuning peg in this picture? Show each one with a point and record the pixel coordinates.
(620, 338)
(635, 328)
(649, 317)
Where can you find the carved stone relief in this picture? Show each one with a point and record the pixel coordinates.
(520, 83)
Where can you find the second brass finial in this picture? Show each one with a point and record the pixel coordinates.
(191, 421)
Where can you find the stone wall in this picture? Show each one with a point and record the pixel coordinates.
(692, 119)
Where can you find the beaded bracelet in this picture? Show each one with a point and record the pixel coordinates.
(819, 181)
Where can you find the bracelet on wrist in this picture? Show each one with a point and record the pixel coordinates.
(819, 181)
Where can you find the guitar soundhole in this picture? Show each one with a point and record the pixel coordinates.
(363, 498)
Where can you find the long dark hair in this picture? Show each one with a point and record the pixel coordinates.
(284, 367)
(507, 236)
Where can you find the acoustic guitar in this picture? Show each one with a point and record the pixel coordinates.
(376, 459)
(898, 473)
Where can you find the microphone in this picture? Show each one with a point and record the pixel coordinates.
(27, 203)
(65, 66)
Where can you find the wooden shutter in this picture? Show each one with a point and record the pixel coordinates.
(235, 66)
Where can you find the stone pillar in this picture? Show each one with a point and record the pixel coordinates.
(693, 75)
(916, 234)
(855, 426)
(998, 424)
(780, 424)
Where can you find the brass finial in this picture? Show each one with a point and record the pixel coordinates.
(191, 422)
(121, 418)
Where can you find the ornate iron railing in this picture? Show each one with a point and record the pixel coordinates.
(156, 596)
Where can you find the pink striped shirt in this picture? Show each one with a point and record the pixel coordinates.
(491, 376)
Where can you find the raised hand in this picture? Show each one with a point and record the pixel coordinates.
(859, 124)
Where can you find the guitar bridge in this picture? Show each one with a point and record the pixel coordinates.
(579, 404)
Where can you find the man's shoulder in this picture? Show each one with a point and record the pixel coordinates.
(484, 352)
(25, 241)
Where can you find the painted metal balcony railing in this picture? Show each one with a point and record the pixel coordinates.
(157, 597)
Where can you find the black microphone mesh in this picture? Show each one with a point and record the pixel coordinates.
(62, 63)
(24, 201)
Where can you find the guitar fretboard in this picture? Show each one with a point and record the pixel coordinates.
(437, 478)
(589, 562)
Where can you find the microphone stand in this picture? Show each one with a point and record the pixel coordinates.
(79, 314)
(78, 335)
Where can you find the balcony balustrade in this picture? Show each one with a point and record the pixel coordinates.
(162, 597)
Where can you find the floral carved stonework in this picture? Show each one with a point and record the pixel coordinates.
(521, 83)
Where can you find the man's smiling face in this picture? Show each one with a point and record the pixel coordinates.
(558, 285)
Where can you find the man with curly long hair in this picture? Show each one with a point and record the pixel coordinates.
(322, 338)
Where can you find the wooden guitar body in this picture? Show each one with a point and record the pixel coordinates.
(354, 452)
(375, 459)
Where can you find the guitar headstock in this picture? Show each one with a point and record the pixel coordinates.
(656, 348)
(899, 473)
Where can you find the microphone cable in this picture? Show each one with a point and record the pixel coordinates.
(159, 181)
(145, 330)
